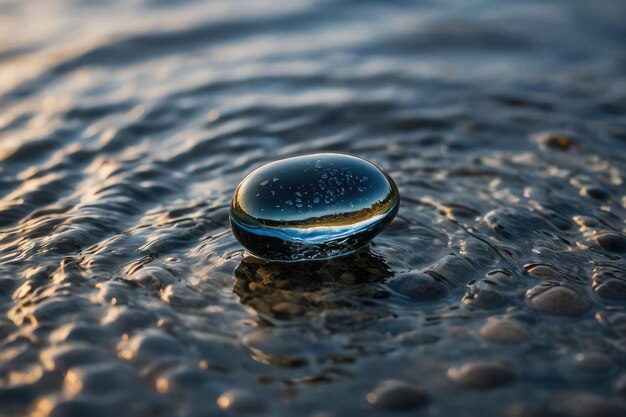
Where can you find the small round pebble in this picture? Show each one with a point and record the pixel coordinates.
(397, 395)
(418, 286)
(559, 300)
(240, 401)
(481, 375)
(505, 330)
(612, 289)
(543, 272)
(582, 404)
(593, 362)
(482, 296)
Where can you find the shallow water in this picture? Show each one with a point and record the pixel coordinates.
(126, 126)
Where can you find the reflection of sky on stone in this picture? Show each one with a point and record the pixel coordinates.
(313, 187)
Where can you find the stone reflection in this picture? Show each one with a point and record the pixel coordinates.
(283, 290)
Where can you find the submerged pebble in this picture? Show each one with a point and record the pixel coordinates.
(397, 395)
(482, 295)
(609, 282)
(593, 362)
(312, 207)
(418, 286)
(583, 404)
(481, 375)
(558, 300)
(504, 330)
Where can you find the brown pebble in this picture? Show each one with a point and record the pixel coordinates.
(593, 362)
(609, 288)
(418, 286)
(397, 395)
(481, 375)
(481, 295)
(289, 309)
(543, 272)
(612, 289)
(581, 404)
(499, 329)
(558, 300)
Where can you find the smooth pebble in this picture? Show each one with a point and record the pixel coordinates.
(397, 395)
(481, 375)
(505, 330)
(312, 207)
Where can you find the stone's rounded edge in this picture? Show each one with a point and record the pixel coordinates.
(286, 249)
(259, 181)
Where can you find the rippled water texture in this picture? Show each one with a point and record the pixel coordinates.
(499, 288)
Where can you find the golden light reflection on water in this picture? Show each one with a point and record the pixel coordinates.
(43, 407)
(27, 376)
(73, 384)
(224, 401)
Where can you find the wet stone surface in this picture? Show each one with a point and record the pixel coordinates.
(558, 300)
(498, 289)
(397, 395)
(505, 330)
(593, 362)
(315, 206)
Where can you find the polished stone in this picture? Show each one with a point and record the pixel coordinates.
(312, 207)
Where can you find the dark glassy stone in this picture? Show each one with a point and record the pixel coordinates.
(312, 207)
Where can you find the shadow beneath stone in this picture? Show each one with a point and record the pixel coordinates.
(284, 290)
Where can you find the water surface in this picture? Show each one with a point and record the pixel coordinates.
(125, 127)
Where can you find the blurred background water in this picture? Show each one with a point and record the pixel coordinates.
(499, 289)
